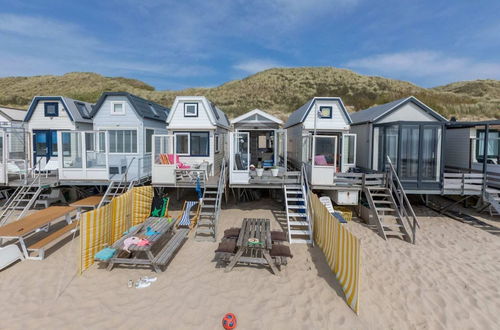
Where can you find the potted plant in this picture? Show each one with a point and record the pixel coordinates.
(259, 170)
(274, 170)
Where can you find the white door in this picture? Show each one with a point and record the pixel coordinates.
(324, 160)
(239, 157)
(280, 151)
(348, 151)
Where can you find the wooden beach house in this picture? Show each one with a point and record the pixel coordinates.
(119, 145)
(14, 156)
(411, 134)
(196, 142)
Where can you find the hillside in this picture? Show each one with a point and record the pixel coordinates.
(278, 91)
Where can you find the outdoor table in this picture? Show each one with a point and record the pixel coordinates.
(161, 225)
(35, 222)
(89, 203)
(254, 244)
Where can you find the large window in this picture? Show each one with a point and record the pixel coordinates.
(94, 149)
(51, 109)
(193, 144)
(72, 149)
(149, 139)
(493, 147)
(325, 149)
(123, 141)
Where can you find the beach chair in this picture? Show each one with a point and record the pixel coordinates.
(185, 219)
(327, 202)
(9, 254)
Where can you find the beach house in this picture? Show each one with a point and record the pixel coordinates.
(14, 158)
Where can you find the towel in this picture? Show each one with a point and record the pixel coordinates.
(134, 240)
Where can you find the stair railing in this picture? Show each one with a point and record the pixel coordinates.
(305, 192)
(405, 208)
(218, 201)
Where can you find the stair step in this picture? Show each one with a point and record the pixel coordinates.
(298, 215)
(301, 207)
(205, 222)
(299, 223)
(394, 233)
(392, 225)
(205, 206)
(206, 213)
(211, 192)
(296, 199)
(385, 209)
(209, 199)
(376, 188)
(382, 202)
(299, 240)
(380, 195)
(204, 230)
(298, 192)
(299, 232)
(293, 187)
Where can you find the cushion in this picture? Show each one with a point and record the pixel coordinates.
(227, 246)
(281, 251)
(320, 160)
(232, 232)
(278, 236)
(105, 254)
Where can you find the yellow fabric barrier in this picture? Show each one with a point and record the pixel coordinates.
(122, 215)
(341, 248)
(141, 209)
(95, 234)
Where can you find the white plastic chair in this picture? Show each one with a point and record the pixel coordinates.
(9, 254)
(327, 202)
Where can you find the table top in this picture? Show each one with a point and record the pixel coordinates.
(91, 201)
(259, 229)
(34, 221)
(161, 225)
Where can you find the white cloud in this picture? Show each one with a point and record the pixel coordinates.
(431, 67)
(254, 66)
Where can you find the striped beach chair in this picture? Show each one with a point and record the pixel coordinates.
(185, 218)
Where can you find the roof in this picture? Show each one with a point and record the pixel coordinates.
(376, 113)
(144, 108)
(299, 115)
(463, 124)
(13, 114)
(220, 116)
(258, 112)
(78, 111)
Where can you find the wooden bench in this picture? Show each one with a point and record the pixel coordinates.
(166, 254)
(50, 240)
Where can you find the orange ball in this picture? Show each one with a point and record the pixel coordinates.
(229, 321)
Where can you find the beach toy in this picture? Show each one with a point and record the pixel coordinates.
(143, 242)
(229, 321)
(254, 241)
(130, 241)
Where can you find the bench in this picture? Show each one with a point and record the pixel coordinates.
(50, 240)
(164, 256)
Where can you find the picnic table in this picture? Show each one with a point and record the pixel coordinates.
(35, 222)
(88, 203)
(254, 244)
(162, 226)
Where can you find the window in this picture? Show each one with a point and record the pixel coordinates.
(217, 143)
(51, 109)
(199, 143)
(54, 143)
(182, 143)
(349, 151)
(83, 110)
(117, 108)
(190, 109)
(493, 148)
(149, 139)
(153, 110)
(72, 149)
(123, 141)
(325, 150)
(325, 112)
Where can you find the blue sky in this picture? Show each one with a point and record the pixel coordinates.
(180, 44)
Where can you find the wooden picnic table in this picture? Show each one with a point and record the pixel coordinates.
(160, 225)
(254, 244)
(89, 203)
(36, 221)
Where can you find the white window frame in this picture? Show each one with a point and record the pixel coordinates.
(193, 114)
(113, 112)
(146, 140)
(123, 129)
(189, 143)
(216, 143)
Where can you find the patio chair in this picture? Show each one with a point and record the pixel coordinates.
(176, 160)
(185, 218)
(327, 202)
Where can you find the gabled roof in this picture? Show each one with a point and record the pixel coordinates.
(217, 116)
(144, 108)
(299, 115)
(78, 111)
(257, 112)
(378, 112)
(13, 114)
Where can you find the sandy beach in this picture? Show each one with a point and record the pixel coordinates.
(448, 280)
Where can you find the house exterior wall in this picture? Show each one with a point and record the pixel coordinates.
(408, 112)
(179, 122)
(294, 144)
(38, 121)
(363, 144)
(337, 122)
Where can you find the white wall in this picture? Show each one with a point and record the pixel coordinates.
(179, 122)
(363, 144)
(39, 121)
(337, 122)
(408, 112)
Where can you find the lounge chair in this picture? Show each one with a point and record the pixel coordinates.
(185, 218)
(176, 160)
(327, 202)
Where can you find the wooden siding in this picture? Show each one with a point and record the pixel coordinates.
(408, 112)
(179, 122)
(337, 122)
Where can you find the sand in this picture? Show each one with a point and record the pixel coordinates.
(449, 280)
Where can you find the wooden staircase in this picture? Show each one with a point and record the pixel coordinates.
(206, 227)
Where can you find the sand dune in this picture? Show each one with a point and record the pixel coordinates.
(448, 280)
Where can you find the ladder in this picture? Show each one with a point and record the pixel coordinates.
(23, 198)
(297, 212)
(115, 188)
(493, 198)
(206, 227)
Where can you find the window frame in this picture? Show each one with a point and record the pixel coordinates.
(191, 115)
(208, 146)
(110, 137)
(480, 150)
(188, 141)
(190, 152)
(56, 114)
(150, 140)
(216, 142)
(330, 116)
(113, 112)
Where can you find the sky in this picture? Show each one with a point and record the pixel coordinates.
(191, 43)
